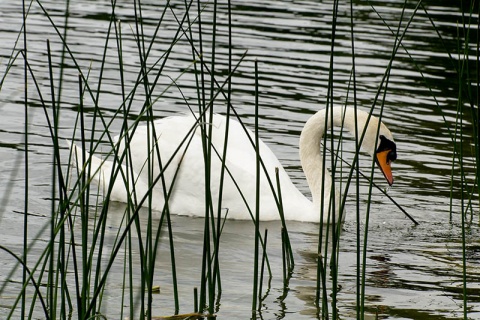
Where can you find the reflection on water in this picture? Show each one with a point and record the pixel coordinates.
(411, 272)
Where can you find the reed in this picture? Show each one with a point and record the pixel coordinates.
(25, 221)
(71, 275)
(466, 104)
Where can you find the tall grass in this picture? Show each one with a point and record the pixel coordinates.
(465, 93)
(25, 221)
(72, 244)
(71, 274)
(465, 106)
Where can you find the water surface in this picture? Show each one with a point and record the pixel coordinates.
(412, 272)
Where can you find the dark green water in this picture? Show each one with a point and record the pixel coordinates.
(412, 272)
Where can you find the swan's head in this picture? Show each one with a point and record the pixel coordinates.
(385, 154)
(382, 146)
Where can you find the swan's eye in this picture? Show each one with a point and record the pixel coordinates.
(392, 156)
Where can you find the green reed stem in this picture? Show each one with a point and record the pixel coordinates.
(385, 81)
(147, 109)
(257, 196)
(28, 245)
(288, 247)
(29, 278)
(459, 129)
(53, 283)
(52, 292)
(262, 269)
(216, 235)
(128, 257)
(147, 274)
(206, 262)
(172, 257)
(331, 214)
(356, 164)
(284, 260)
(216, 265)
(195, 299)
(26, 160)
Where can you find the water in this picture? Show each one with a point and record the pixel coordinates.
(412, 272)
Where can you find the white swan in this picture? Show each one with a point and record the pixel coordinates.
(188, 189)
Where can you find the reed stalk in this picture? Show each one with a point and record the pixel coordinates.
(69, 276)
(262, 269)
(257, 202)
(219, 227)
(26, 161)
(93, 273)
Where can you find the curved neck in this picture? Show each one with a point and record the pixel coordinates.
(311, 154)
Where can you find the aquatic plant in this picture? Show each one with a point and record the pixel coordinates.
(71, 273)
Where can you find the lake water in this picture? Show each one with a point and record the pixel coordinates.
(413, 272)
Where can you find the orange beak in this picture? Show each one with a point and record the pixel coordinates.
(384, 164)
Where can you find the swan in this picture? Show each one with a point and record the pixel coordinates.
(181, 155)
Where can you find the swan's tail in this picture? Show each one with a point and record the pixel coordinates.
(100, 170)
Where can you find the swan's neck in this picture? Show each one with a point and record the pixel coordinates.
(312, 156)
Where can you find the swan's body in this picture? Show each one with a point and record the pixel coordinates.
(188, 191)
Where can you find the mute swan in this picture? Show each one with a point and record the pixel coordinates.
(188, 191)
